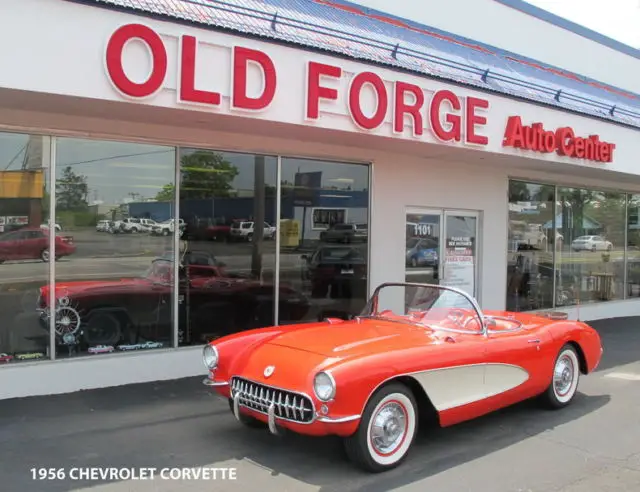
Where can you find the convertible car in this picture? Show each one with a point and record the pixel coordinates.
(417, 351)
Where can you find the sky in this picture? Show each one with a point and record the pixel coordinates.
(617, 19)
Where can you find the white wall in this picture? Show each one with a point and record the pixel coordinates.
(496, 24)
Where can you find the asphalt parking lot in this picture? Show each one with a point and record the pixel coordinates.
(591, 446)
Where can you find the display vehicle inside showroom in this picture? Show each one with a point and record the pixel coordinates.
(177, 171)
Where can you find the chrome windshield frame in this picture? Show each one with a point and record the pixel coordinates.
(371, 305)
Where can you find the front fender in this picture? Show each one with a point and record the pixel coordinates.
(585, 336)
(232, 348)
(357, 380)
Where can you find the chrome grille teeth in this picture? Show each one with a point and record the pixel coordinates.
(289, 405)
(279, 404)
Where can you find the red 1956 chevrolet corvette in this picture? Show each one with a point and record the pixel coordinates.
(416, 350)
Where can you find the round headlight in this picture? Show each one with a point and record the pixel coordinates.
(210, 356)
(324, 386)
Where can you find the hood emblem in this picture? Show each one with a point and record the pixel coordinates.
(268, 371)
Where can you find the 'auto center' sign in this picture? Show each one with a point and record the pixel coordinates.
(449, 117)
(562, 141)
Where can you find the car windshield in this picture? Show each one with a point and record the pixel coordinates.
(432, 306)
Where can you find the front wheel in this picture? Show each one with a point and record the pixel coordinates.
(566, 376)
(387, 430)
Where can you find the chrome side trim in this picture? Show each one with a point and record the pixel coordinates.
(211, 382)
(338, 420)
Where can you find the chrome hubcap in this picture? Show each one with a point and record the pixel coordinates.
(563, 375)
(388, 428)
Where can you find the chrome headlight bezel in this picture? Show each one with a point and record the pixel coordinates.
(210, 357)
(324, 386)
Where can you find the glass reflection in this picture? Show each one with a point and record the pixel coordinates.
(25, 228)
(324, 237)
(422, 257)
(531, 240)
(590, 266)
(112, 294)
(227, 263)
(633, 246)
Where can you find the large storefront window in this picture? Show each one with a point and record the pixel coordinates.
(633, 246)
(228, 247)
(590, 266)
(324, 239)
(114, 271)
(25, 230)
(531, 238)
(116, 256)
(566, 246)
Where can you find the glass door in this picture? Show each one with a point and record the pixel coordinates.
(442, 248)
(459, 265)
(423, 245)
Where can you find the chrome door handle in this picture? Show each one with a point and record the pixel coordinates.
(535, 340)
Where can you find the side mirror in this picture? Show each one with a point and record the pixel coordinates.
(222, 264)
(304, 257)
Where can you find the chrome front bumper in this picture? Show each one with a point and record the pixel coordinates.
(210, 382)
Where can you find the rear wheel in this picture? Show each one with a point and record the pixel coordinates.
(387, 429)
(566, 376)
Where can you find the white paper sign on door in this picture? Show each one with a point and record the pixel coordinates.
(459, 264)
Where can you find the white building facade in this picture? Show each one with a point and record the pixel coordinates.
(372, 148)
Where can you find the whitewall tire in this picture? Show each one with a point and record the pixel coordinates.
(565, 380)
(387, 429)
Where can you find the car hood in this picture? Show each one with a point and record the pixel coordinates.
(354, 338)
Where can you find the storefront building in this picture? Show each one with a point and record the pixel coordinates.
(209, 169)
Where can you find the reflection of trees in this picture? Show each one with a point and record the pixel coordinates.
(71, 191)
(580, 206)
(609, 210)
(203, 174)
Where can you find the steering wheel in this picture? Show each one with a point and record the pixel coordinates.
(456, 315)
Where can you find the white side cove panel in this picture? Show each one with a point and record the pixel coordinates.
(453, 387)
(500, 378)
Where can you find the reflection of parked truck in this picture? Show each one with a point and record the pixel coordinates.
(526, 236)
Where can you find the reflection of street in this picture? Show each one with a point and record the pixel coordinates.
(93, 244)
(101, 268)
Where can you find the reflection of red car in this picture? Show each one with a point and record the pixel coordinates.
(31, 244)
(211, 303)
(6, 357)
(417, 350)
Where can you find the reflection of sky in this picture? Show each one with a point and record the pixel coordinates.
(118, 172)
